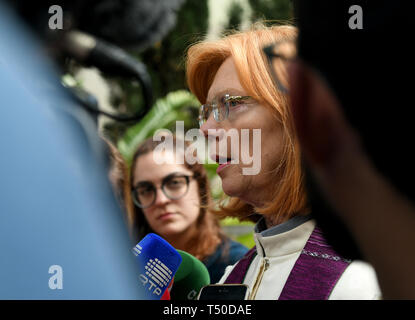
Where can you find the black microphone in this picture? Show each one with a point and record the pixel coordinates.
(111, 60)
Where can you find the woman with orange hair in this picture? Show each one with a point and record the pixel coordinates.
(291, 259)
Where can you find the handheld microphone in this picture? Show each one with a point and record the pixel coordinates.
(158, 263)
(191, 276)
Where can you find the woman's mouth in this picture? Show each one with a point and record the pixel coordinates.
(165, 215)
(223, 162)
(223, 166)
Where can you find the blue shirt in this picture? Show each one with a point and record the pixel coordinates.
(227, 253)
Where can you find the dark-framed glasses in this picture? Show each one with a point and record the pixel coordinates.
(174, 186)
(220, 106)
(279, 56)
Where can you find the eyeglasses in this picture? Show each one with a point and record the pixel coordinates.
(222, 107)
(174, 186)
(279, 55)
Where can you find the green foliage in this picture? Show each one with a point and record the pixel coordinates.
(165, 60)
(165, 64)
(230, 221)
(179, 105)
(235, 14)
(176, 106)
(272, 10)
(246, 239)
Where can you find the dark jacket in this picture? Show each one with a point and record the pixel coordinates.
(227, 253)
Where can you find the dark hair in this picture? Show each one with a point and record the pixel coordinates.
(209, 233)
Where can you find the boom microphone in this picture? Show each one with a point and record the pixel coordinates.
(191, 276)
(129, 24)
(158, 263)
(132, 24)
(111, 60)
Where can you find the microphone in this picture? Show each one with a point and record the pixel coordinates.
(158, 263)
(191, 276)
(129, 24)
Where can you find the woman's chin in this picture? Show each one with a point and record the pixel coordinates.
(242, 189)
(167, 229)
(233, 182)
(231, 188)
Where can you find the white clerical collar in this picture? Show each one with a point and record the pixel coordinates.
(286, 238)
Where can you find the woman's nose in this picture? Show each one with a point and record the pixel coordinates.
(209, 127)
(160, 197)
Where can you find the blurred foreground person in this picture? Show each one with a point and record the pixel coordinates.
(61, 235)
(61, 231)
(291, 259)
(352, 109)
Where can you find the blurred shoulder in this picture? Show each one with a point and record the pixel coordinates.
(236, 251)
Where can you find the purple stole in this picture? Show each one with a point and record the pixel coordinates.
(314, 275)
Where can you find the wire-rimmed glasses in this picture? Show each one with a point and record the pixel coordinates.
(220, 107)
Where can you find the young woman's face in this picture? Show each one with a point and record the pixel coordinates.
(167, 217)
(255, 189)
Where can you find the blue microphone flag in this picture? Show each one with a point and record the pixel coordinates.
(158, 262)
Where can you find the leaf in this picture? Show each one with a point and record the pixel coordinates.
(165, 112)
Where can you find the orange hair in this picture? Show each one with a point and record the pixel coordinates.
(204, 60)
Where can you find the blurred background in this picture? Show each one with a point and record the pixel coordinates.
(195, 21)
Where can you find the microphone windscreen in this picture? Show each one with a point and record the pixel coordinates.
(191, 276)
(158, 262)
(132, 24)
(129, 23)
